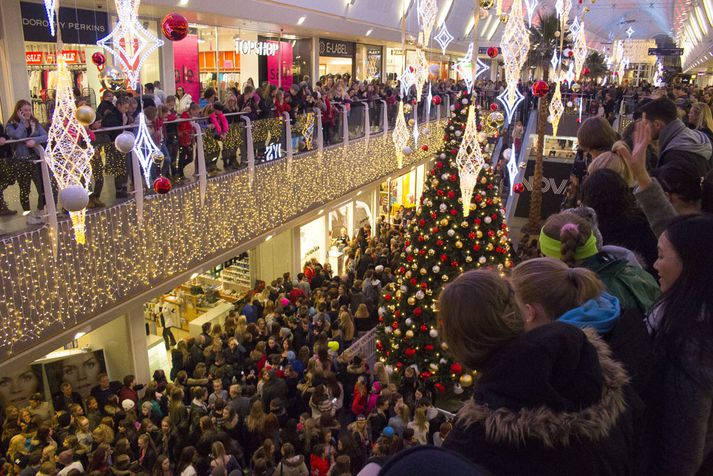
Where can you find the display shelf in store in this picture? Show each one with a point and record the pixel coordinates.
(216, 315)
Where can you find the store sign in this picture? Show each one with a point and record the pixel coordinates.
(77, 26)
(33, 57)
(554, 186)
(185, 64)
(336, 48)
(665, 51)
(70, 57)
(261, 48)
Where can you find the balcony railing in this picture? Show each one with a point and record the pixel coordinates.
(128, 253)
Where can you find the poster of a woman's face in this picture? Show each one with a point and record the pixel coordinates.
(17, 387)
(80, 370)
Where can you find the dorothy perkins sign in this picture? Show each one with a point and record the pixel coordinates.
(77, 26)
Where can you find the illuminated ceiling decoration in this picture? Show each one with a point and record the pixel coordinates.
(400, 135)
(629, 32)
(515, 44)
(531, 6)
(464, 67)
(129, 42)
(69, 149)
(562, 7)
(443, 38)
(420, 72)
(555, 61)
(406, 80)
(469, 160)
(51, 9)
(513, 169)
(575, 28)
(427, 12)
(580, 52)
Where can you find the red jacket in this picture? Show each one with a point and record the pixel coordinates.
(185, 131)
(281, 107)
(320, 466)
(359, 403)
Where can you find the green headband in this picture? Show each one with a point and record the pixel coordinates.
(553, 248)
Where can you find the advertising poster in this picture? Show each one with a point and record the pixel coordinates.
(17, 387)
(283, 56)
(185, 60)
(81, 370)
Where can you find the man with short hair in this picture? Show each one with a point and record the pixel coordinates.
(158, 92)
(218, 393)
(150, 92)
(129, 390)
(65, 397)
(676, 141)
(239, 402)
(104, 390)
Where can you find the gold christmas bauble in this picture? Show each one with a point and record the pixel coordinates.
(423, 271)
(483, 13)
(113, 79)
(464, 224)
(504, 18)
(157, 158)
(576, 87)
(459, 244)
(85, 115)
(409, 334)
(489, 247)
(411, 122)
(444, 222)
(484, 181)
(479, 234)
(444, 346)
(408, 275)
(487, 4)
(557, 34)
(431, 252)
(466, 380)
(411, 301)
(407, 108)
(468, 259)
(444, 277)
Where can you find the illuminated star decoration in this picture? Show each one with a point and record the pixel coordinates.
(510, 110)
(629, 32)
(443, 38)
(50, 7)
(569, 75)
(555, 61)
(145, 149)
(129, 42)
(407, 79)
(464, 67)
(469, 160)
(515, 44)
(575, 28)
(427, 11)
(69, 149)
(512, 168)
(531, 6)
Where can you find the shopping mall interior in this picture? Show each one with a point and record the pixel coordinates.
(341, 237)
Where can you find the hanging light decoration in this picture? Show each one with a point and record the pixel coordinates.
(406, 80)
(146, 150)
(562, 7)
(464, 67)
(129, 41)
(420, 72)
(556, 108)
(514, 45)
(69, 151)
(51, 9)
(531, 6)
(401, 134)
(513, 169)
(443, 38)
(580, 51)
(427, 11)
(469, 160)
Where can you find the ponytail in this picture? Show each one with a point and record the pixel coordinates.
(569, 237)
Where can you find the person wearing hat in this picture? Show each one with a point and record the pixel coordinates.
(66, 460)
(39, 408)
(128, 405)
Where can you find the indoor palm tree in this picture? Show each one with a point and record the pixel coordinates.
(596, 64)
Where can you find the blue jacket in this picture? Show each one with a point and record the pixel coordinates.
(19, 131)
(599, 313)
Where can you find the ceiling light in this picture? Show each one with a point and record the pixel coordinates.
(301, 20)
(493, 29)
(269, 237)
(445, 11)
(486, 25)
(701, 21)
(182, 3)
(469, 26)
(369, 32)
(81, 333)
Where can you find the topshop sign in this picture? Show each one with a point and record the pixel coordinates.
(261, 48)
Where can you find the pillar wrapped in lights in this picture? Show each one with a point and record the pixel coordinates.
(580, 51)
(556, 108)
(514, 45)
(469, 160)
(129, 42)
(401, 133)
(69, 151)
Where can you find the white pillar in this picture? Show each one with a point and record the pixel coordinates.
(351, 209)
(296, 266)
(168, 76)
(325, 238)
(137, 348)
(315, 61)
(14, 82)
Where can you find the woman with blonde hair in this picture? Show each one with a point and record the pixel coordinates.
(613, 160)
(362, 318)
(221, 459)
(346, 325)
(420, 425)
(254, 426)
(701, 118)
(549, 397)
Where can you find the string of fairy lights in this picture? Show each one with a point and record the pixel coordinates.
(42, 295)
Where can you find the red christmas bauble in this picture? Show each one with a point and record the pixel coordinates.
(410, 352)
(428, 347)
(451, 194)
(98, 59)
(424, 148)
(437, 100)
(174, 27)
(387, 297)
(493, 107)
(439, 242)
(424, 328)
(439, 165)
(585, 71)
(454, 212)
(417, 312)
(570, 54)
(435, 229)
(440, 388)
(413, 281)
(162, 185)
(395, 325)
(540, 88)
(492, 51)
(456, 368)
(518, 188)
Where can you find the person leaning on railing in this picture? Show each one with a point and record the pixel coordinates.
(6, 176)
(116, 162)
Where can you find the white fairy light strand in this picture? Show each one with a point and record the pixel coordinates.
(129, 42)
(401, 133)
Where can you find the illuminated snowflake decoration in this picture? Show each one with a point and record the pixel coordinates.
(129, 42)
(629, 32)
(510, 108)
(444, 38)
(145, 148)
(407, 79)
(580, 52)
(512, 168)
(427, 11)
(555, 61)
(575, 28)
(556, 108)
(50, 8)
(464, 67)
(569, 75)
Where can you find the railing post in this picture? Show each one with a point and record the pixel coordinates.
(367, 121)
(448, 105)
(251, 149)
(288, 137)
(50, 206)
(320, 130)
(138, 184)
(385, 117)
(438, 111)
(200, 157)
(345, 126)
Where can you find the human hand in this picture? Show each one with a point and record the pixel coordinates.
(2, 141)
(31, 143)
(637, 158)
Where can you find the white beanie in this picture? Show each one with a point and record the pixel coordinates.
(127, 404)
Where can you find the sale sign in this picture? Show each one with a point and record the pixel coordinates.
(282, 60)
(33, 57)
(185, 63)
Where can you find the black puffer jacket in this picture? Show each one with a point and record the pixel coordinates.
(550, 402)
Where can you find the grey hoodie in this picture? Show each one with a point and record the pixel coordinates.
(676, 141)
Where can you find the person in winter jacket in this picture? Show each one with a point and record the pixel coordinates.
(550, 290)
(291, 464)
(184, 100)
(319, 461)
(676, 141)
(550, 401)
(373, 398)
(360, 397)
(185, 138)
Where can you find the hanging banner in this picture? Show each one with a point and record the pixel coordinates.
(185, 63)
(77, 26)
(284, 55)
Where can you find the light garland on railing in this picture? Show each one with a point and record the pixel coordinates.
(470, 160)
(69, 151)
(41, 297)
(515, 45)
(129, 42)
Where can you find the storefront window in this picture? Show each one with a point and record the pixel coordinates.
(369, 62)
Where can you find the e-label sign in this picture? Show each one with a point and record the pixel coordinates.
(336, 48)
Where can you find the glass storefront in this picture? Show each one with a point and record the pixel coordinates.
(336, 57)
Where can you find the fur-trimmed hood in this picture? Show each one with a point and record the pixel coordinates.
(555, 385)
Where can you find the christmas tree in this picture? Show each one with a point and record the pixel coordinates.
(441, 242)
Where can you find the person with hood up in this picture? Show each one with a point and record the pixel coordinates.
(550, 401)
(551, 291)
(676, 141)
(291, 464)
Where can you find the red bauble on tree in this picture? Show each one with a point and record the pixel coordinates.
(456, 368)
(518, 188)
(162, 185)
(585, 71)
(98, 59)
(437, 100)
(493, 107)
(540, 88)
(410, 352)
(424, 147)
(174, 27)
(492, 51)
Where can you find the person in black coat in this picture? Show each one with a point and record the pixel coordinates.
(6, 175)
(549, 401)
(65, 398)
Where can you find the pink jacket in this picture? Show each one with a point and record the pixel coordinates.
(219, 122)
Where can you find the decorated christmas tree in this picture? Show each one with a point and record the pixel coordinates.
(443, 241)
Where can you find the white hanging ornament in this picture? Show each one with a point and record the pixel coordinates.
(427, 12)
(515, 45)
(436, 269)
(451, 232)
(400, 135)
(513, 169)
(444, 38)
(124, 142)
(469, 160)
(433, 333)
(145, 149)
(129, 42)
(580, 52)
(420, 294)
(556, 108)
(69, 150)
(74, 198)
(443, 207)
(408, 321)
(482, 260)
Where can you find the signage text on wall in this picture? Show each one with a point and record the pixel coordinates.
(262, 48)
